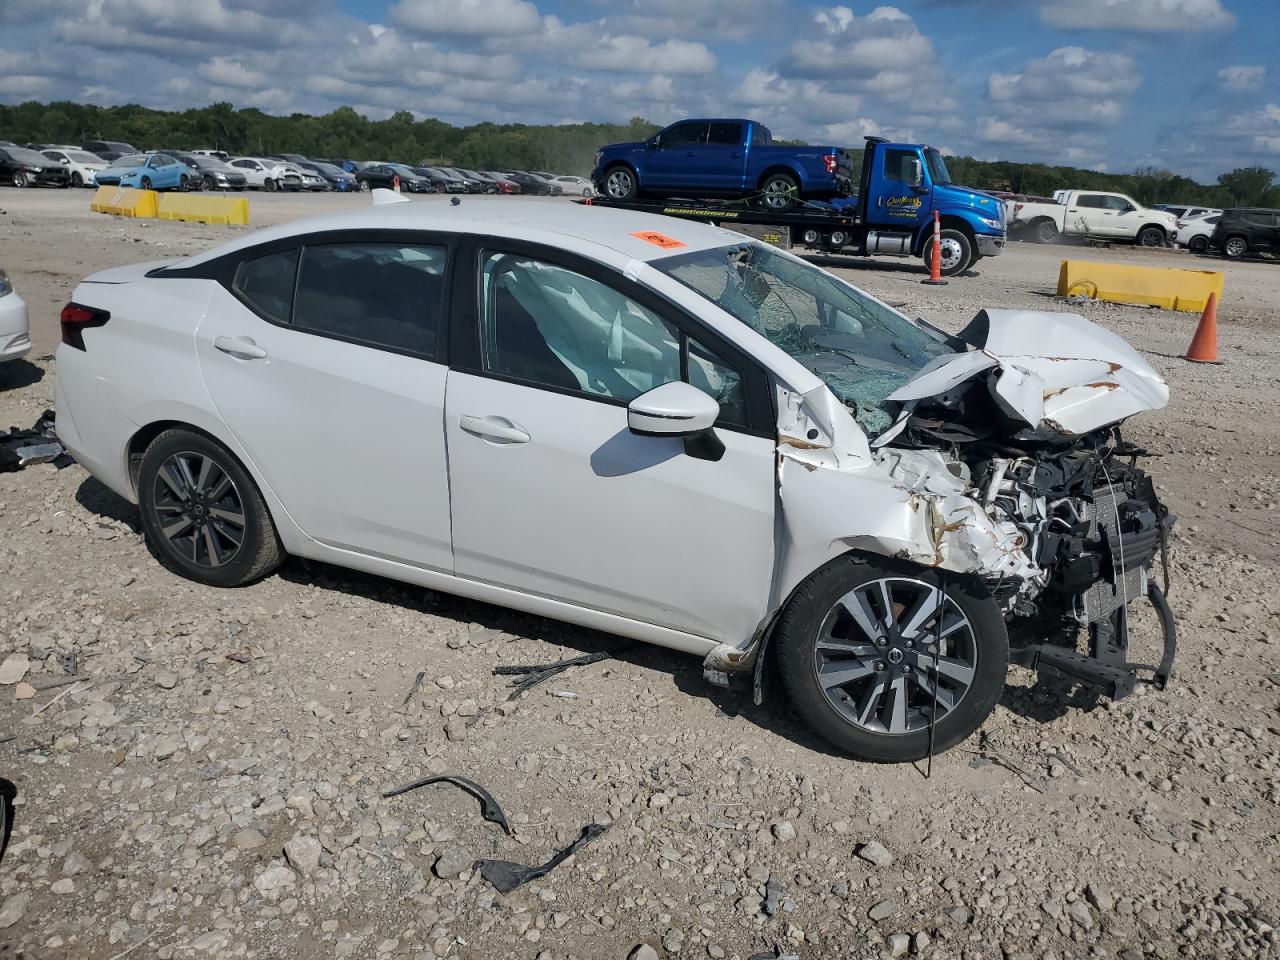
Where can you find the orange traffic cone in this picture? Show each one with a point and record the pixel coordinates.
(395, 183)
(935, 255)
(1204, 345)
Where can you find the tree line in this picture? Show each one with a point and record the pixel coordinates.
(567, 148)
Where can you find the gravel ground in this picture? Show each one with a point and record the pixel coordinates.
(212, 786)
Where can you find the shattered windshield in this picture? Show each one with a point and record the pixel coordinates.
(859, 347)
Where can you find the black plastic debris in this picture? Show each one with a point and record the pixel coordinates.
(21, 448)
(534, 674)
(489, 808)
(507, 876)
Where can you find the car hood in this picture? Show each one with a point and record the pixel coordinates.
(952, 193)
(1050, 370)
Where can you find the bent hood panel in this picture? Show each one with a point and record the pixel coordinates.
(1058, 369)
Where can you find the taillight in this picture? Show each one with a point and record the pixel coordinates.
(75, 318)
(830, 160)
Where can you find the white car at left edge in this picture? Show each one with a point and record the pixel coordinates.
(15, 334)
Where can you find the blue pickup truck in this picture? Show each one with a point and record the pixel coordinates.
(890, 212)
(723, 158)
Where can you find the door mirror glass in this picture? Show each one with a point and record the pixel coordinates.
(654, 142)
(916, 172)
(674, 409)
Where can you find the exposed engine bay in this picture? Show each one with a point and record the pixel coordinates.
(1085, 517)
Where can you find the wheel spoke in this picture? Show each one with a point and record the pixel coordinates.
(837, 673)
(946, 700)
(184, 471)
(859, 608)
(850, 648)
(215, 558)
(178, 527)
(207, 467)
(886, 598)
(235, 536)
(924, 610)
(898, 711)
(870, 700)
(230, 516)
(952, 669)
(173, 480)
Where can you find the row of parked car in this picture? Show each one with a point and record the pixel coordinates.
(1234, 233)
(114, 163)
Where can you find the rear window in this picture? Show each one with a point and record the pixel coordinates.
(266, 283)
(725, 134)
(388, 295)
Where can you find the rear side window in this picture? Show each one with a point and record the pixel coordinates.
(388, 295)
(267, 283)
(725, 134)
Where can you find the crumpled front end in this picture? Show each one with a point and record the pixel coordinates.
(1005, 466)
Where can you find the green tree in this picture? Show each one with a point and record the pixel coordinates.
(1248, 186)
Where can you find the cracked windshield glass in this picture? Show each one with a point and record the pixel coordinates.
(861, 349)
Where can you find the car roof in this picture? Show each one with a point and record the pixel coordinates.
(602, 233)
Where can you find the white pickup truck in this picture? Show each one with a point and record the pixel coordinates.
(1087, 213)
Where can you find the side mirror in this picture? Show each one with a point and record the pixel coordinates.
(679, 411)
(65, 162)
(653, 143)
(674, 409)
(917, 173)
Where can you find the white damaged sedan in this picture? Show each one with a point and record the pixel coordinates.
(15, 331)
(660, 429)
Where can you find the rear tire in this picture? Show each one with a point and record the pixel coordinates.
(1151, 237)
(780, 192)
(620, 184)
(1198, 244)
(848, 713)
(203, 515)
(1235, 247)
(957, 252)
(1046, 231)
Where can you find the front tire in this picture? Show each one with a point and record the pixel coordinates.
(77, 180)
(869, 688)
(956, 250)
(21, 178)
(145, 183)
(779, 192)
(203, 515)
(620, 184)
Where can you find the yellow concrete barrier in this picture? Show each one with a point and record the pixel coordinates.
(203, 208)
(124, 202)
(1171, 289)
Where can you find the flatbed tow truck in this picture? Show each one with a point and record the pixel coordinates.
(901, 187)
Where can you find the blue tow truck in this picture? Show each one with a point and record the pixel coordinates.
(888, 212)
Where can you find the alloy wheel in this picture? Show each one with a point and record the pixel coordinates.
(1236, 247)
(199, 509)
(619, 184)
(777, 194)
(888, 651)
(950, 254)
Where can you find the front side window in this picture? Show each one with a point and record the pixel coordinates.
(860, 348)
(1091, 200)
(1118, 204)
(267, 283)
(381, 294)
(554, 327)
(898, 166)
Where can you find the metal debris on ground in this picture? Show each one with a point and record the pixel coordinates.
(22, 448)
(987, 753)
(774, 954)
(417, 685)
(506, 876)
(489, 807)
(534, 674)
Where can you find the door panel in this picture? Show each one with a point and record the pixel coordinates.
(678, 161)
(898, 204)
(585, 511)
(349, 437)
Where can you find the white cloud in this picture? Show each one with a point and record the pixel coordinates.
(630, 54)
(885, 44)
(477, 18)
(1145, 16)
(1241, 78)
(228, 72)
(1072, 86)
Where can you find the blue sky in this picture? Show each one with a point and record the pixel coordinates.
(1187, 85)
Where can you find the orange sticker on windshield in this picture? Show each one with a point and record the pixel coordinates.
(659, 239)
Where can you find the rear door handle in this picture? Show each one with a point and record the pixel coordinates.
(243, 348)
(496, 429)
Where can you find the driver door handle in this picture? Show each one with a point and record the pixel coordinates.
(495, 429)
(242, 348)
